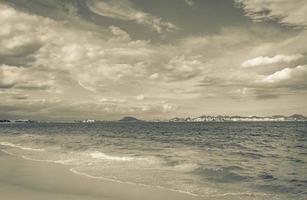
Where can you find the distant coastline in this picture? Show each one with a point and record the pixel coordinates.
(17, 121)
(225, 118)
(204, 118)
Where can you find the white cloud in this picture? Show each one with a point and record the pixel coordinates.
(167, 107)
(146, 108)
(125, 10)
(16, 34)
(154, 76)
(287, 12)
(158, 107)
(265, 60)
(120, 34)
(112, 100)
(140, 97)
(297, 73)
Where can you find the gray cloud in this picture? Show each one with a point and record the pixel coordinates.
(125, 10)
(189, 2)
(293, 14)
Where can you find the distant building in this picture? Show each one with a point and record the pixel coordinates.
(88, 121)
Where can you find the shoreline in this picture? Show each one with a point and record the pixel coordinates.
(29, 180)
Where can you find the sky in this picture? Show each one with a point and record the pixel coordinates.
(152, 59)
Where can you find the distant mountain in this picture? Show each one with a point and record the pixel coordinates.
(129, 119)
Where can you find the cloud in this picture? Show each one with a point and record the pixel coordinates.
(119, 34)
(154, 76)
(68, 54)
(189, 2)
(112, 100)
(24, 78)
(18, 44)
(84, 55)
(21, 97)
(286, 12)
(160, 107)
(140, 97)
(296, 74)
(182, 67)
(10, 75)
(167, 107)
(265, 60)
(125, 10)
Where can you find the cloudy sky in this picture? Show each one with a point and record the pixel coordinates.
(104, 59)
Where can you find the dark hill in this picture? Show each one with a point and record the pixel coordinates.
(129, 119)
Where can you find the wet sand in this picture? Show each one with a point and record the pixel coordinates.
(22, 179)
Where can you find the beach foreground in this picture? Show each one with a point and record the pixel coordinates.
(30, 180)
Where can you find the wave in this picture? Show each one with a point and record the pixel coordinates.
(20, 147)
(186, 167)
(75, 171)
(103, 156)
(64, 162)
(239, 194)
(221, 175)
(246, 194)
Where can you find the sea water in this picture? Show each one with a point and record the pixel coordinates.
(228, 160)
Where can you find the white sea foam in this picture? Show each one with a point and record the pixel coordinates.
(20, 147)
(100, 155)
(64, 162)
(103, 156)
(186, 167)
(75, 171)
(12, 154)
(251, 194)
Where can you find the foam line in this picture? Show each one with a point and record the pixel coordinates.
(20, 147)
(73, 170)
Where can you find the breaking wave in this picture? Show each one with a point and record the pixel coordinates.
(103, 156)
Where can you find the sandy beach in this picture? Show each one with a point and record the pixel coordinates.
(22, 179)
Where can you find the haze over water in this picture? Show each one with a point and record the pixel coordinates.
(216, 160)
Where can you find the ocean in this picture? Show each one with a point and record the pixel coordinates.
(224, 160)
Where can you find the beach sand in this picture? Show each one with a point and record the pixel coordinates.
(22, 179)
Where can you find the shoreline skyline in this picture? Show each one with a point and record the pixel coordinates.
(202, 118)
